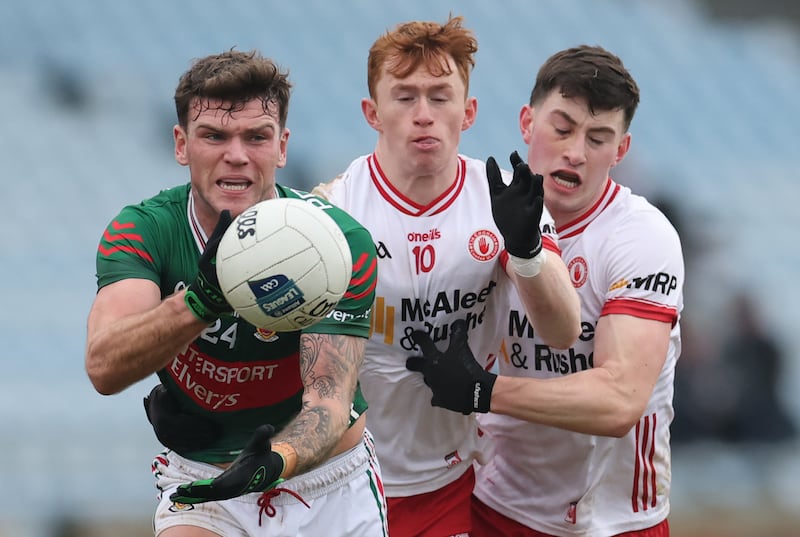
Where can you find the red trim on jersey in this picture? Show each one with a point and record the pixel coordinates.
(547, 243)
(570, 229)
(130, 249)
(355, 281)
(133, 237)
(126, 236)
(197, 230)
(364, 293)
(645, 453)
(117, 226)
(408, 206)
(644, 309)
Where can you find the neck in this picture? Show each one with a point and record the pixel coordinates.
(418, 184)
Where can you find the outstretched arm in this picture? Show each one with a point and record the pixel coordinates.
(606, 400)
(540, 276)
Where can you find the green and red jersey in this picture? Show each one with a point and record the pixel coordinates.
(238, 375)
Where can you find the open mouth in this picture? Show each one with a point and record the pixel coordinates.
(233, 185)
(566, 179)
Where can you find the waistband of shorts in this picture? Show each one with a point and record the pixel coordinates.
(331, 475)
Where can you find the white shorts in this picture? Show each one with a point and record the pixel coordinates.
(344, 497)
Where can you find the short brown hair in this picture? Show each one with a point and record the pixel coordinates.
(235, 78)
(411, 44)
(591, 73)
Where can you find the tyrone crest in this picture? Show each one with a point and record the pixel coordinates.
(578, 271)
(483, 245)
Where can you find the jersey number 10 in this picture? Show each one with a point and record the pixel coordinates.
(424, 258)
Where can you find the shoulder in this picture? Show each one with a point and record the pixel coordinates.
(336, 189)
(166, 206)
(636, 219)
(343, 219)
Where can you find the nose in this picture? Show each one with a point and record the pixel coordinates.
(235, 152)
(422, 113)
(575, 151)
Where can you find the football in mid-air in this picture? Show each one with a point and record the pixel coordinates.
(283, 264)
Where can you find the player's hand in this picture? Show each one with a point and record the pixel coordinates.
(256, 469)
(517, 208)
(458, 381)
(203, 295)
(176, 429)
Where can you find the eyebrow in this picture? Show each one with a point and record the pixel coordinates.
(571, 121)
(267, 125)
(434, 87)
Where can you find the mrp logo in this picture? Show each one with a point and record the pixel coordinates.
(276, 295)
(660, 282)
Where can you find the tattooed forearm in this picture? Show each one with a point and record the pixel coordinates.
(329, 369)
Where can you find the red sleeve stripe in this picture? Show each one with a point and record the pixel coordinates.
(362, 259)
(122, 236)
(549, 244)
(645, 453)
(117, 225)
(643, 309)
(367, 274)
(130, 249)
(359, 280)
(364, 293)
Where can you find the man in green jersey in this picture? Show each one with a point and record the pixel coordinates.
(255, 422)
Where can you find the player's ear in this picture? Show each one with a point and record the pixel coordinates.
(470, 113)
(526, 123)
(284, 142)
(179, 135)
(622, 149)
(370, 110)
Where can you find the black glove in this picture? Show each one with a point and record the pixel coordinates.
(517, 208)
(176, 429)
(203, 295)
(458, 381)
(256, 469)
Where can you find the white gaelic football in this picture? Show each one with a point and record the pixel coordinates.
(283, 264)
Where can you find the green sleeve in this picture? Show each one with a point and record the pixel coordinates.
(353, 312)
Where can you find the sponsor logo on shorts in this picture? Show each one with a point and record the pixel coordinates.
(178, 507)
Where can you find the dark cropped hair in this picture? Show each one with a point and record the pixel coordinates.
(235, 78)
(591, 73)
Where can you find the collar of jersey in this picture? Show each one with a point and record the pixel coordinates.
(576, 226)
(408, 206)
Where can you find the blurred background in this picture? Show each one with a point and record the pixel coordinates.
(87, 90)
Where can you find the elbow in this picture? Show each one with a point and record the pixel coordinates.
(623, 420)
(102, 384)
(566, 337)
(100, 375)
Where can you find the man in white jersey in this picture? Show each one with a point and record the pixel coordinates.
(582, 434)
(429, 211)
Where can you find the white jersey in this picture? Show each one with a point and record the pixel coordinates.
(437, 263)
(624, 257)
